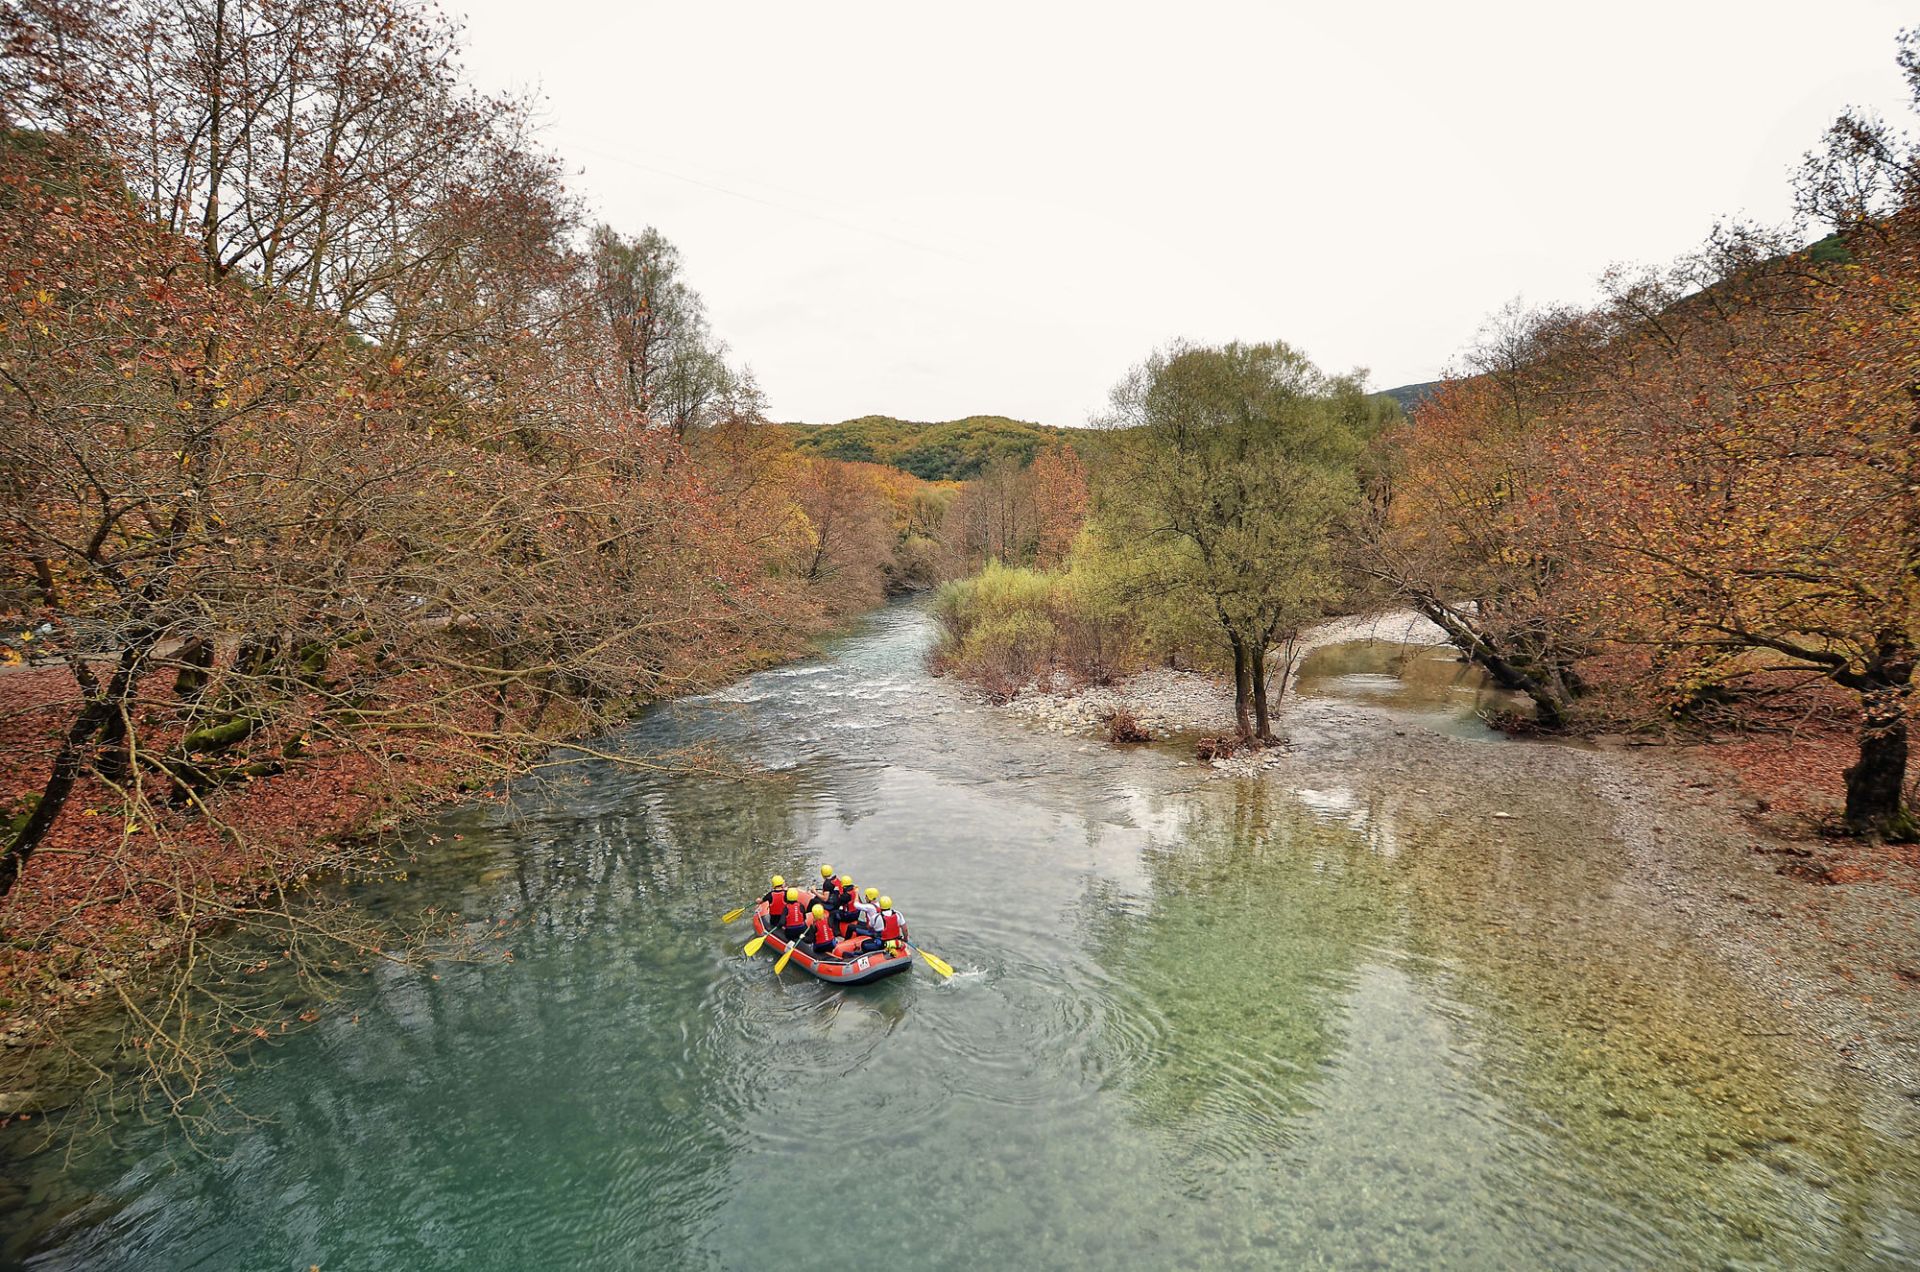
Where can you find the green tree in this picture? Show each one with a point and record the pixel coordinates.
(1229, 467)
(670, 366)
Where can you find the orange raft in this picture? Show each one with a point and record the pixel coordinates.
(855, 969)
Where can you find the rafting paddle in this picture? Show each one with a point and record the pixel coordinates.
(781, 966)
(753, 946)
(939, 965)
(731, 915)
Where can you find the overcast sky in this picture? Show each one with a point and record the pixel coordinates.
(935, 211)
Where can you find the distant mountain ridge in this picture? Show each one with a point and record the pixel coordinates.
(1411, 395)
(947, 450)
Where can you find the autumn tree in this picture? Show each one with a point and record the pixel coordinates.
(848, 534)
(1061, 493)
(1459, 523)
(1709, 477)
(993, 518)
(1018, 513)
(308, 462)
(230, 202)
(1743, 460)
(1758, 429)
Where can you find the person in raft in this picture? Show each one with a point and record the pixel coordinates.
(776, 897)
(850, 934)
(793, 920)
(891, 930)
(820, 933)
(849, 928)
(829, 887)
(869, 912)
(846, 914)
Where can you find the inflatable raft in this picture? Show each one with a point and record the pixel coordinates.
(855, 969)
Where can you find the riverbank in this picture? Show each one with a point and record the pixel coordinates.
(1166, 700)
(111, 898)
(97, 915)
(1830, 929)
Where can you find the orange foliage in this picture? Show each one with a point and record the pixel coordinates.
(317, 482)
(1720, 469)
(1019, 515)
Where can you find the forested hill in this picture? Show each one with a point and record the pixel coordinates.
(954, 450)
(1411, 395)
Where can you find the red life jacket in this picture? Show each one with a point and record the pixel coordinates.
(890, 926)
(822, 932)
(794, 916)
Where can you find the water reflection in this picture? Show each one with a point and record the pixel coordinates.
(1430, 684)
(1484, 1039)
(1232, 974)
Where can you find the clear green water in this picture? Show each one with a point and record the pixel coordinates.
(1428, 684)
(1332, 1020)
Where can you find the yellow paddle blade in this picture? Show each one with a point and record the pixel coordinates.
(731, 915)
(939, 965)
(753, 946)
(781, 966)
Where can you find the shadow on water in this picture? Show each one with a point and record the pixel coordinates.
(1323, 1019)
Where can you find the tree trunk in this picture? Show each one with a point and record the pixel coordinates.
(1242, 687)
(112, 758)
(1264, 707)
(1262, 719)
(1876, 784)
(1550, 706)
(256, 656)
(68, 764)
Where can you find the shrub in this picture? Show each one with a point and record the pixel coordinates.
(1008, 626)
(1220, 748)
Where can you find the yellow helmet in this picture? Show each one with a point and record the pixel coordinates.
(872, 893)
(886, 903)
(793, 894)
(846, 881)
(778, 882)
(819, 911)
(826, 872)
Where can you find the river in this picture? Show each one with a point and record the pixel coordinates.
(1341, 1016)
